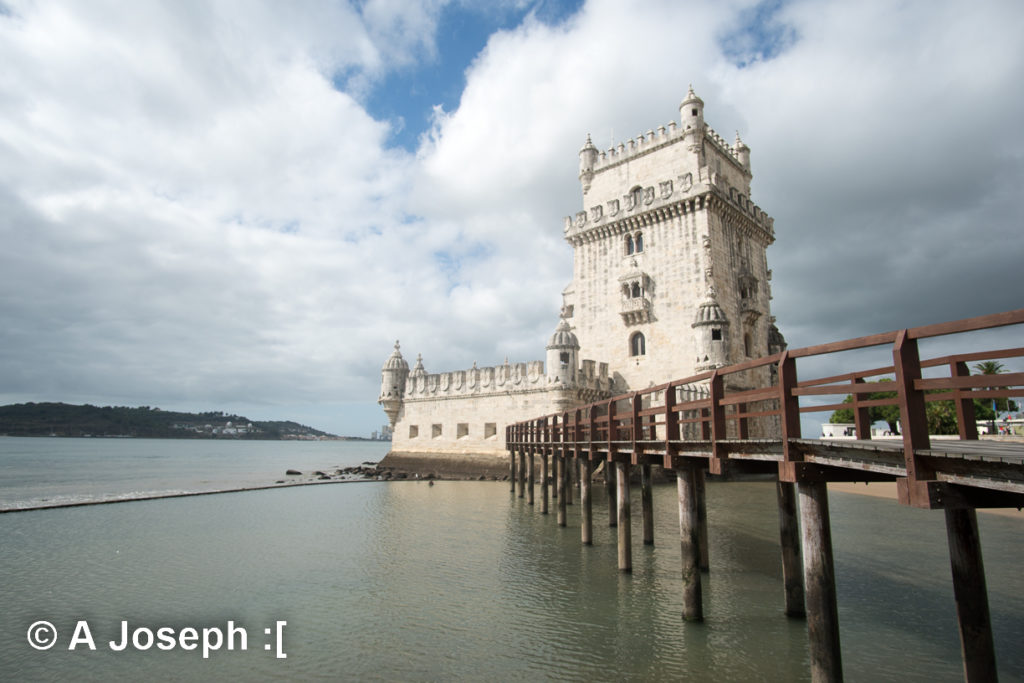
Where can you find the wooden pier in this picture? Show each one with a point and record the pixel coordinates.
(745, 419)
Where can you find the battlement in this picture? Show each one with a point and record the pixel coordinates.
(684, 192)
(502, 379)
(652, 140)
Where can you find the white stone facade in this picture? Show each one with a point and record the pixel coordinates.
(670, 278)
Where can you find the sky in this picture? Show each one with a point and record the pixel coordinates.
(240, 206)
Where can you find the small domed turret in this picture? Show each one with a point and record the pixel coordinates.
(392, 384)
(588, 157)
(712, 334)
(562, 355)
(691, 112)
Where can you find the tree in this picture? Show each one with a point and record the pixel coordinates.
(992, 367)
(888, 414)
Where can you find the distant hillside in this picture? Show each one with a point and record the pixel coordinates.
(62, 419)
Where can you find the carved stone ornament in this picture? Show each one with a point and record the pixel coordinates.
(613, 207)
(581, 219)
(666, 189)
(596, 213)
(685, 182)
(648, 195)
(630, 201)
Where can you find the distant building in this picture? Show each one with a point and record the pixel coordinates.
(670, 278)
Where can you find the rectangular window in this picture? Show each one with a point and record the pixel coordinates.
(716, 334)
(414, 431)
(462, 430)
(435, 431)
(490, 430)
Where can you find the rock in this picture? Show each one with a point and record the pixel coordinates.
(293, 472)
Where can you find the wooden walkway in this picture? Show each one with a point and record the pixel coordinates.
(745, 419)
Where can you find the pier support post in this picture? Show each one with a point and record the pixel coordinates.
(512, 471)
(700, 484)
(820, 584)
(789, 536)
(689, 542)
(522, 473)
(555, 474)
(609, 485)
(976, 646)
(622, 502)
(561, 488)
(647, 504)
(543, 483)
(586, 505)
(570, 467)
(530, 476)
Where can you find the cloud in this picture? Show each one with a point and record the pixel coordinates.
(201, 212)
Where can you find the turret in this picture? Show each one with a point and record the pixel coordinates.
(392, 384)
(562, 355)
(691, 112)
(742, 152)
(588, 157)
(712, 334)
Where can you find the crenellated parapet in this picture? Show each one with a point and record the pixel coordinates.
(503, 379)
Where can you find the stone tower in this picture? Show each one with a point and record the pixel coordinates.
(670, 275)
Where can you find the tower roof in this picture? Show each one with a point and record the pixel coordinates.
(691, 97)
(563, 338)
(395, 360)
(709, 312)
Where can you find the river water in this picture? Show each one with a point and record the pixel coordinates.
(453, 581)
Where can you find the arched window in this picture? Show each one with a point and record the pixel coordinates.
(748, 345)
(639, 241)
(634, 291)
(637, 345)
(629, 244)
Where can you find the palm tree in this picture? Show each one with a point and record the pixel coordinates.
(989, 367)
(994, 367)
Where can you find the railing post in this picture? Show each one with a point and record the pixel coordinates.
(861, 414)
(913, 422)
(966, 421)
(543, 482)
(561, 476)
(789, 405)
(611, 473)
(529, 475)
(671, 424)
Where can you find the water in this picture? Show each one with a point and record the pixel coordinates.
(461, 581)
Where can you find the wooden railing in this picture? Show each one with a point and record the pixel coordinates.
(751, 411)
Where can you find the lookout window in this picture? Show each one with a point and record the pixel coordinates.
(637, 345)
(490, 430)
(716, 334)
(748, 345)
(435, 431)
(693, 112)
(414, 431)
(462, 430)
(563, 358)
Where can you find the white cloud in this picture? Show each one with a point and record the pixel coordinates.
(201, 213)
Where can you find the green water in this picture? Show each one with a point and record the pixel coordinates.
(461, 581)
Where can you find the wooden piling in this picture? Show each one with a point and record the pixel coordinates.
(609, 485)
(512, 471)
(976, 646)
(789, 537)
(647, 504)
(586, 511)
(622, 502)
(700, 482)
(522, 473)
(561, 488)
(543, 483)
(689, 542)
(820, 584)
(529, 478)
(570, 467)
